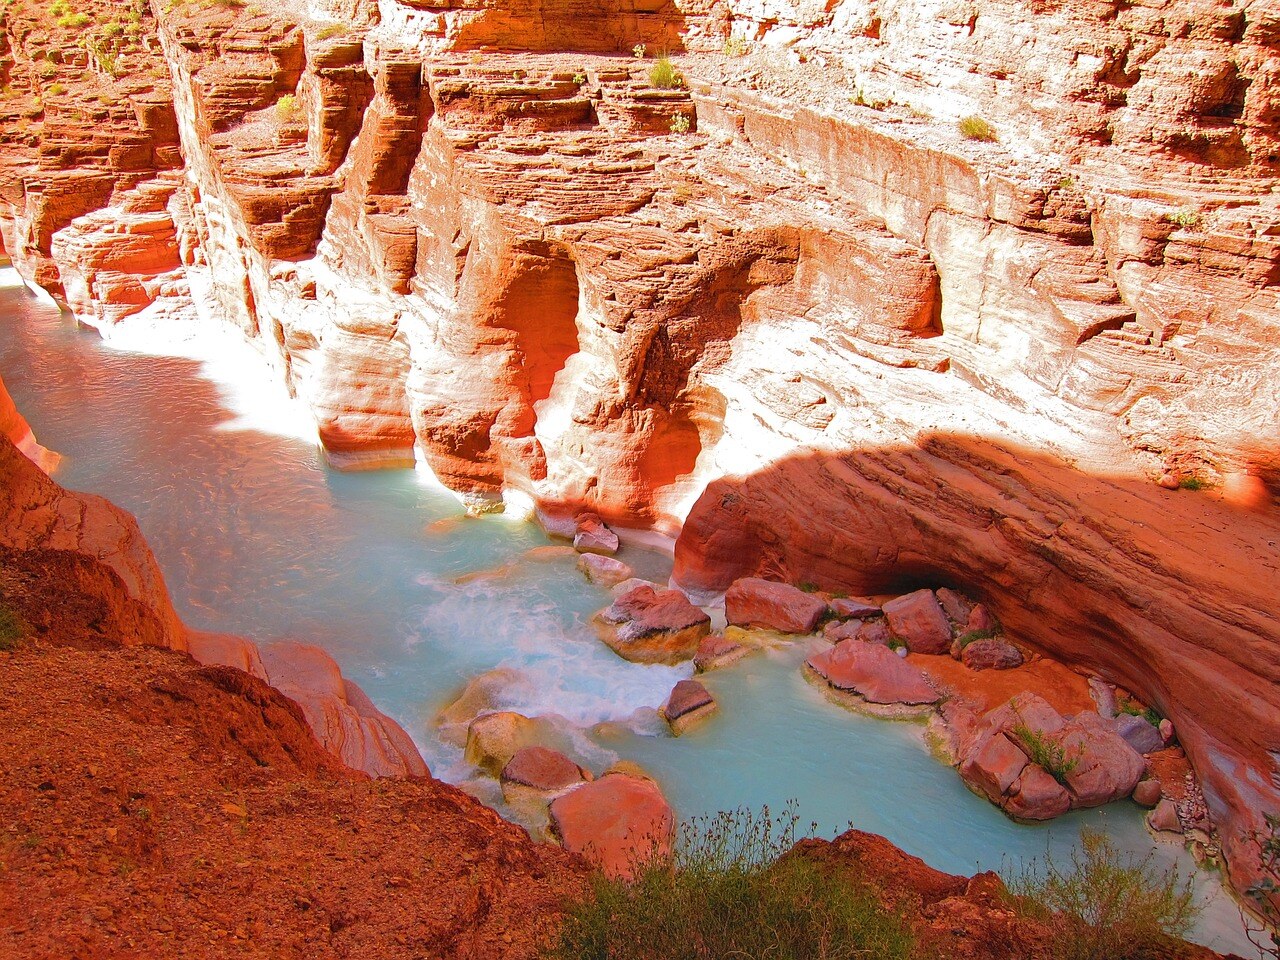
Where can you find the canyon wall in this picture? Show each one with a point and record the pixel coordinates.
(787, 299)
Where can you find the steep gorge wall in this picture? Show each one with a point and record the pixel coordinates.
(467, 233)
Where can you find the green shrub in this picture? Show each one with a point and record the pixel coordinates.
(736, 47)
(11, 628)
(679, 123)
(1108, 905)
(967, 638)
(288, 111)
(664, 76)
(1192, 482)
(975, 128)
(639, 50)
(73, 21)
(1135, 709)
(58, 89)
(332, 30)
(1186, 218)
(729, 891)
(1047, 752)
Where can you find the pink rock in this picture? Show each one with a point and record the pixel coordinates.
(854, 607)
(1037, 796)
(838, 630)
(542, 769)
(1164, 818)
(877, 631)
(980, 620)
(1138, 733)
(646, 625)
(717, 651)
(874, 673)
(991, 655)
(1147, 793)
(993, 765)
(918, 621)
(604, 570)
(592, 536)
(1108, 768)
(954, 604)
(752, 602)
(617, 822)
(689, 702)
(1166, 731)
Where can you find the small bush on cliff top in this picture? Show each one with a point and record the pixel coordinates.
(1106, 905)
(975, 128)
(728, 891)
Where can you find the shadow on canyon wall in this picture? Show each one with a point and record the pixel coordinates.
(1170, 593)
(564, 26)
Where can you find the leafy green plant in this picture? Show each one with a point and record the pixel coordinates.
(679, 123)
(975, 128)
(736, 47)
(969, 637)
(1135, 709)
(579, 78)
(74, 21)
(11, 628)
(1192, 482)
(1186, 218)
(639, 50)
(332, 30)
(664, 76)
(1105, 904)
(58, 89)
(1047, 752)
(730, 889)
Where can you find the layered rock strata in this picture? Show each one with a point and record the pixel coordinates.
(484, 239)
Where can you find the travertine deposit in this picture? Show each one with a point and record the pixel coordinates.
(786, 299)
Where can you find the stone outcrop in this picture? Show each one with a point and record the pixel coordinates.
(14, 426)
(689, 703)
(788, 301)
(1037, 765)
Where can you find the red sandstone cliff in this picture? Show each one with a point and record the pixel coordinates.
(473, 233)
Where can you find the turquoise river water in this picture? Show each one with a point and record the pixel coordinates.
(257, 536)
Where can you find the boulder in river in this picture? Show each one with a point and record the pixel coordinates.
(593, 536)
(752, 602)
(606, 571)
(689, 703)
(646, 625)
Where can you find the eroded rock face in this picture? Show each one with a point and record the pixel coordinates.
(344, 720)
(909, 349)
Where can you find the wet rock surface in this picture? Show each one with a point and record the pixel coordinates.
(646, 625)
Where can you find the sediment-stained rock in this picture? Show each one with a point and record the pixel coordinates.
(646, 625)
(753, 602)
(689, 703)
(873, 672)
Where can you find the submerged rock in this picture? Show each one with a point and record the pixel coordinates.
(918, 621)
(646, 625)
(752, 602)
(689, 703)
(616, 822)
(604, 570)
